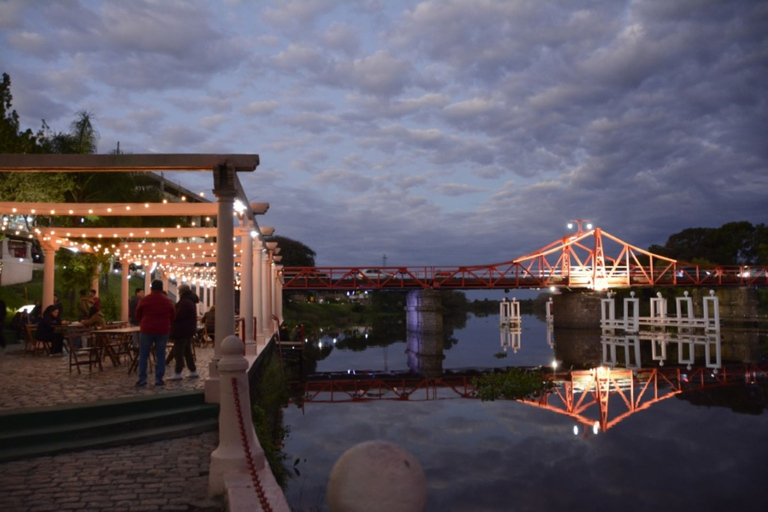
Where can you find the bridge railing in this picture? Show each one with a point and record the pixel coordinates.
(527, 274)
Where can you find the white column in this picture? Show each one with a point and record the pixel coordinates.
(49, 272)
(265, 296)
(224, 191)
(279, 294)
(257, 295)
(124, 292)
(246, 287)
(148, 277)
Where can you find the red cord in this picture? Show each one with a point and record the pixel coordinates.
(246, 446)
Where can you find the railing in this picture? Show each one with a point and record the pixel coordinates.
(528, 274)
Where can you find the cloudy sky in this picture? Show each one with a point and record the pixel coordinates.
(435, 132)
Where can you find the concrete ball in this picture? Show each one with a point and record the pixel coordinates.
(377, 476)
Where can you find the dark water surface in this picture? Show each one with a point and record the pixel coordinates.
(510, 456)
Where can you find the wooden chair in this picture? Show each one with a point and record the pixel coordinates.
(82, 355)
(205, 338)
(34, 346)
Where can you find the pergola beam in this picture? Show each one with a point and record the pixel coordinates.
(118, 209)
(107, 233)
(125, 163)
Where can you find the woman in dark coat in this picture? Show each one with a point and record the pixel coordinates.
(46, 330)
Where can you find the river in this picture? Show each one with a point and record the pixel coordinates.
(705, 448)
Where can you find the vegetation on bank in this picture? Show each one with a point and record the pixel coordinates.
(514, 384)
(268, 399)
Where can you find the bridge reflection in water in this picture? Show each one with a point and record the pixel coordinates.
(624, 374)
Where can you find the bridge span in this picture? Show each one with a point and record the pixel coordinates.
(592, 259)
(599, 398)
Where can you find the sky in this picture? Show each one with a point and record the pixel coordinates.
(423, 133)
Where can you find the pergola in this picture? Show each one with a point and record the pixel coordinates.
(161, 246)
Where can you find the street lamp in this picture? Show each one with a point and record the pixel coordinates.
(579, 223)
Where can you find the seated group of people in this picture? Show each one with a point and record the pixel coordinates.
(52, 319)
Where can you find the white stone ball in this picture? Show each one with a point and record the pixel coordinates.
(377, 476)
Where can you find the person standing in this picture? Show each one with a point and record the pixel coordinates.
(137, 296)
(155, 312)
(95, 299)
(84, 305)
(183, 328)
(59, 305)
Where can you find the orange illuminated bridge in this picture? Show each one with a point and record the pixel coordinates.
(589, 259)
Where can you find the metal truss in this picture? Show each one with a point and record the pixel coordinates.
(600, 398)
(592, 259)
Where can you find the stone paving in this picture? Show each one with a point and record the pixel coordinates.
(162, 475)
(41, 381)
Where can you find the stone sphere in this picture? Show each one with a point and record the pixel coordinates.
(377, 476)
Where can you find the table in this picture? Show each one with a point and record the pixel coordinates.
(116, 342)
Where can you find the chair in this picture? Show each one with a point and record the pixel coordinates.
(32, 345)
(205, 338)
(79, 356)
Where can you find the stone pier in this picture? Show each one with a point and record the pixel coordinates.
(577, 310)
(424, 313)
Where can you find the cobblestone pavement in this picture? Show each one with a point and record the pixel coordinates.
(163, 475)
(42, 381)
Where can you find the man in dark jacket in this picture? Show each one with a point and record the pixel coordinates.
(183, 328)
(155, 312)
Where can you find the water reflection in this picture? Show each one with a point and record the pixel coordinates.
(643, 402)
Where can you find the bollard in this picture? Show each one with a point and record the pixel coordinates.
(377, 476)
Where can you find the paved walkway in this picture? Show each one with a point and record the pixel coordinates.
(163, 475)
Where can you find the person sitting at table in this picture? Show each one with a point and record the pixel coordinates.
(95, 319)
(46, 330)
(209, 321)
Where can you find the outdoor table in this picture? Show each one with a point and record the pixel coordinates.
(115, 342)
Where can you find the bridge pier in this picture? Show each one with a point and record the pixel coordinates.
(424, 314)
(577, 309)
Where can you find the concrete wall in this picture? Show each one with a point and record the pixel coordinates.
(735, 303)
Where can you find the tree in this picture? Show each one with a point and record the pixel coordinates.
(294, 253)
(11, 139)
(734, 243)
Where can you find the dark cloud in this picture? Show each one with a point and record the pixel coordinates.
(437, 132)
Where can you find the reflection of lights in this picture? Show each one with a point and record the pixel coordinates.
(554, 365)
(334, 341)
(552, 289)
(596, 428)
(575, 430)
